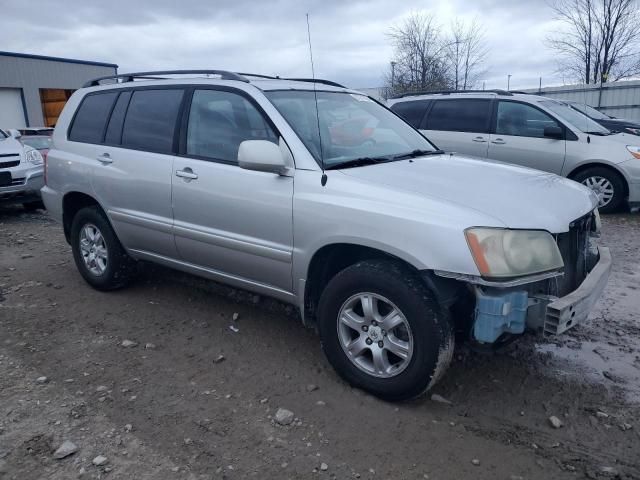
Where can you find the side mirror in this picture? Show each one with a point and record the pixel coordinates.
(262, 156)
(13, 133)
(553, 131)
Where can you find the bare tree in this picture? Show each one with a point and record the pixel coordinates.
(466, 53)
(419, 60)
(600, 41)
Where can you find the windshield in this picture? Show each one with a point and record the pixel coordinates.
(38, 143)
(575, 118)
(352, 127)
(590, 111)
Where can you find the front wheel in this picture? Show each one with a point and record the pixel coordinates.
(383, 331)
(607, 185)
(97, 252)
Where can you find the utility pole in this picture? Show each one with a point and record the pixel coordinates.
(393, 74)
(508, 82)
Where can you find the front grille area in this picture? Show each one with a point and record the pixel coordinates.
(9, 164)
(574, 248)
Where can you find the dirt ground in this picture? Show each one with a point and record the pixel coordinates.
(195, 399)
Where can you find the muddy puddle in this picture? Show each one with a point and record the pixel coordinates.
(615, 366)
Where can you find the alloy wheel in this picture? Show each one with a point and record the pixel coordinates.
(93, 249)
(375, 335)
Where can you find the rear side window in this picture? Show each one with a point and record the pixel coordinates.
(151, 119)
(460, 115)
(411, 112)
(114, 129)
(91, 118)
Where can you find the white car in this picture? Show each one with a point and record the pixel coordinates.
(531, 131)
(21, 172)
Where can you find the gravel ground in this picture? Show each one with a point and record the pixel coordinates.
(192, 398)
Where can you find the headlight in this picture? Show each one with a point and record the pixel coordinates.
(500, 252)
(632, 131)
(33, 156)
(635, 151)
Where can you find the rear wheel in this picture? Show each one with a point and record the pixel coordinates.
(607, 185)
(98, 254)
(383, 331)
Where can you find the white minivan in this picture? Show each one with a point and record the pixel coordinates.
(531, 131)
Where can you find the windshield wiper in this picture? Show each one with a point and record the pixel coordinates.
(358, 162)
(418, 153)
(600, 134)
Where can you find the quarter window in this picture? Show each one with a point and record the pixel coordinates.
(522, 120)
(151, 119)
(91, 118)
(460, 115)
(411, 112)
(219, 121)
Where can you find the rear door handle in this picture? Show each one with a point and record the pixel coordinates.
(498, 141)
(105, 159)
(479, 140)
(187, 173)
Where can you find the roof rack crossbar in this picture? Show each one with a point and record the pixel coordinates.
(316, 80)
(448, 92)
(130, 77)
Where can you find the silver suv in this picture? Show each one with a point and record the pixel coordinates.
(323, 198)
(21, 172)
(532, 131)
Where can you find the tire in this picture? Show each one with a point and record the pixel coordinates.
(425, 325)
(111, 268)
(32, 206)
(598, 178)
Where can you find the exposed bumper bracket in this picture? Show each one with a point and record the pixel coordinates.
(575, 307)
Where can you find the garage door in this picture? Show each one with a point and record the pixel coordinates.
(11, 111)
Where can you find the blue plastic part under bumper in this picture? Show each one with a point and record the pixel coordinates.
(498, 314)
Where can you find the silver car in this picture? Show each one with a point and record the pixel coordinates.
(323, 198)
(531, 131)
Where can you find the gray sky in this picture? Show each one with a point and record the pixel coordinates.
(349, 38)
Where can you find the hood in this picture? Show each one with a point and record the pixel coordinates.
(10, 146)
(518, 197)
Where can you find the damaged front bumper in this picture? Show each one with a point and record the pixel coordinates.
(511, 307)
(563, 313)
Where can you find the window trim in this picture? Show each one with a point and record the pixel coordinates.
(106, 128)
(181, 150)
(494, 121)
(488, 120)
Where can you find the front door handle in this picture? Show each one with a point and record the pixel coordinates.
(479, 139)
(105, 159)
(498, 141)
(187, 174)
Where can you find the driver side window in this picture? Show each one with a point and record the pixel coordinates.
(522, 120)
(219, 121)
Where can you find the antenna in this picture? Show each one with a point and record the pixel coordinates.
(323, 180)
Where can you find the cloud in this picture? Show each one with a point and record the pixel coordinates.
(349, 39)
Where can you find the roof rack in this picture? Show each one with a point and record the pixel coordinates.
(130, 77)
(448, 92)
(316, 80)
(259, 75)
